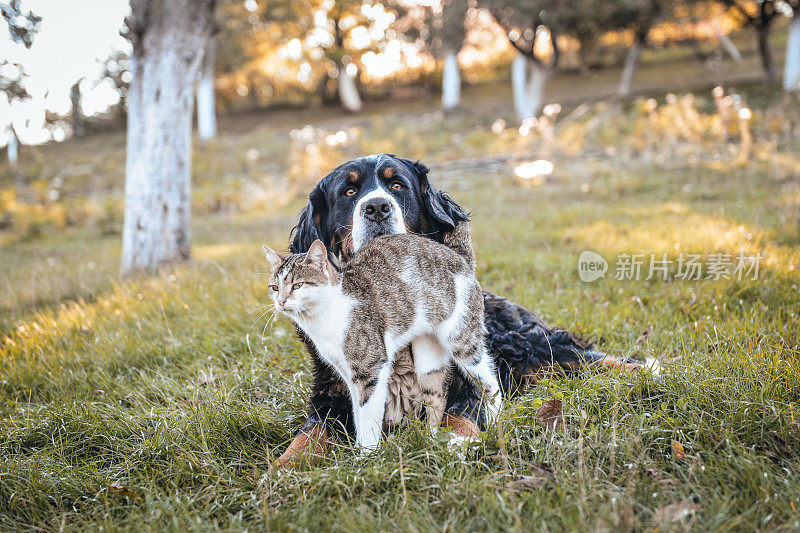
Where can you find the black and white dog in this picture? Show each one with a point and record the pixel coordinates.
(386, 194)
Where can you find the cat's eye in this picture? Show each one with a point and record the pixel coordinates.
(350, 191)
(297, 286)
(397, 185)
(273, 288)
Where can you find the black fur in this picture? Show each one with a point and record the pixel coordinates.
(521, 343)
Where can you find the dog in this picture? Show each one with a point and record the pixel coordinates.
(387, 194)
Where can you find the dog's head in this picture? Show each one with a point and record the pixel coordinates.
(373, 196)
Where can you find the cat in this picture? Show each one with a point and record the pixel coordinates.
(397, 290)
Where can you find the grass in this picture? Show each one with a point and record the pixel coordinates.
(158, 403)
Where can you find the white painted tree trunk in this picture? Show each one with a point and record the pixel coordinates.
(529, 82)
(791, 74)
(13, 146)
(451, 82)
(206, 100)
(628, 71)
(168, 40)
(348, 92)
(729, 47)
(519, 75)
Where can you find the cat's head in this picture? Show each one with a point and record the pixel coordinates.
(300, 282)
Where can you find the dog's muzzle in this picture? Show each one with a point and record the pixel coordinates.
(376, 214)
(376, 209)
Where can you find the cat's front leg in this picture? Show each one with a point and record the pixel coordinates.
(372, 391)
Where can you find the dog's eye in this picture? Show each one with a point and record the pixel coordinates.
(273, 288)
(397, 185)
(350, 191)
(297, 286)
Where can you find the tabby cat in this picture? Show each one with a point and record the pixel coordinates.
(397, 290)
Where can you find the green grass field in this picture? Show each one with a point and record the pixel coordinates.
(159, 403)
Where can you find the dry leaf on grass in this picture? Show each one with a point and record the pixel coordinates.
(551, 414)
(540, 477)
(677, 450)
(123, 491)
(675, 512)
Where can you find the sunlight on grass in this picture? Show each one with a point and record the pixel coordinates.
(670, 228)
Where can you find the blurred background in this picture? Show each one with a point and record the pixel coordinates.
(66, 68)
(489, 93)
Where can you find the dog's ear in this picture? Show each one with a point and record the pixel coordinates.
(311, 225)
(440, 208)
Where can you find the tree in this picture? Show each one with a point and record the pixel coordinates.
(637, 16)
(78, 121)
(206, 102)
(117, 69)
(441, 28)
(22, 27)
(759, 14)
(168, 40)
(342, 18)
(791, 74)
(528, 24)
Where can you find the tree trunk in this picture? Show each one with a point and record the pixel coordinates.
(729, 47)
(348, 91)
(791, 75)
(206, 100)
(451, 82)
(529, 81)
(13, 145)
(519, 75)
(78, 120)
(631, 63)
(537, 82)
(765, 50)
(168, 42)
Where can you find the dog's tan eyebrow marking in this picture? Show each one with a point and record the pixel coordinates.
(389, 172)
(352, 176)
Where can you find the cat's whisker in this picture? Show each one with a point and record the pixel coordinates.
(270, 319)
(257, 319)
(258, 308)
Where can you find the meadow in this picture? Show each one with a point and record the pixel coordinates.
(159, 403)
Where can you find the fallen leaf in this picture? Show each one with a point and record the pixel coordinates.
(675, 512)
(678, 451)
(551, 414)
(123, 491)
(540, 478)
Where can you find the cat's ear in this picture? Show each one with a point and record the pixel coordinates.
(273, 257)
(317, 255)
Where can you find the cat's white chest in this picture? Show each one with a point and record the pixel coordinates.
(327, 332)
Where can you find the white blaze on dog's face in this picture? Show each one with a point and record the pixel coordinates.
(299, 283)
(376, 213)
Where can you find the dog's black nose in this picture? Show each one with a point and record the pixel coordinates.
(377, 209)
